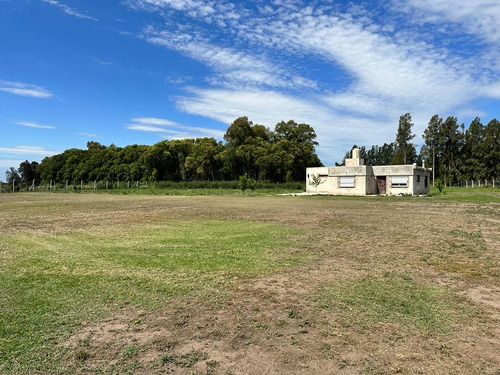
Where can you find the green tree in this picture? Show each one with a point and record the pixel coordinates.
(29, 172)
(491, 149)
(451, 141)
(405, 150)
(12, 175)
(474, 166)
(432, 138)
(300, 142)
(203, 162)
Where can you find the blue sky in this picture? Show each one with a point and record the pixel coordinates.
(140, 71)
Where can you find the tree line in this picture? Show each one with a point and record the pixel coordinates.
(280, 155)
(252, 150)
(454, 153)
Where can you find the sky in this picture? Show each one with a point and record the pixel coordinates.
(141, 71)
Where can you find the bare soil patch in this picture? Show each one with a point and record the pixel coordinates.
(272, 324)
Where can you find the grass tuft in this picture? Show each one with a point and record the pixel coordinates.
(390, 299)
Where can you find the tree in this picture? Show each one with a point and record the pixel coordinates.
(473, 166)
(451, 140)
(12, 175)
(315, 181)
(491, 148)
(239, 132)
(432, 137)
(405, 150)
(203, 161)
(29, 172)
(299, 141)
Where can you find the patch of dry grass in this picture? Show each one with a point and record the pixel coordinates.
(421, 255)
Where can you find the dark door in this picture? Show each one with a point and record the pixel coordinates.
(381, 185)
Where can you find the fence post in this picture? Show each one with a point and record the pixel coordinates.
(33, 185)
(13, 185)
(128, 184)
(485, 183)
(493, 184)
(81, 184)
(66, 184)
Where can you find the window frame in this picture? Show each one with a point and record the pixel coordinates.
(397, 181)
(344, 185)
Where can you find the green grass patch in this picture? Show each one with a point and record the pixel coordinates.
(51, 283)
(467, 195)
(392, 299)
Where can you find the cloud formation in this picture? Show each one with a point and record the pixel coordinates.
(479, 17)
(31, 124)
(28, 150)
(172, 130)
(370, 64)
(91, 135)
(67, 10)
(25, 89)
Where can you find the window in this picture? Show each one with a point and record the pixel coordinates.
(399, 181)
(418, 178)
(425, 181)
(346, 181)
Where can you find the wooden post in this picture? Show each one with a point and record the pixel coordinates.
(13, 185)
(81, 184)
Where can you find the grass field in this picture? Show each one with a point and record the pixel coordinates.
(250, 284)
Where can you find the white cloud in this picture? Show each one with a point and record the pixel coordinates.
(154, 121)
(25, 89)
(164, 127)
(27, 150)
(335, 131)
(480, 17)
(7, 163)
(30, 124)
(92, 135)
(234, 67)
(67, 10)
(103, 62)
(384, 68)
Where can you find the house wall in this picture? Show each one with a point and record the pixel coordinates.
(365, 179)
(359, 172)
(324, 187)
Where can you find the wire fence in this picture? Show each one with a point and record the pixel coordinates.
(127, 185)
(478, 183)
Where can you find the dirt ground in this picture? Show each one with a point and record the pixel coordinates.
(272, 324)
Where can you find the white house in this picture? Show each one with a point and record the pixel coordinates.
(355, 178)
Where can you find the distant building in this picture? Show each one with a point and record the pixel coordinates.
(355, 178)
